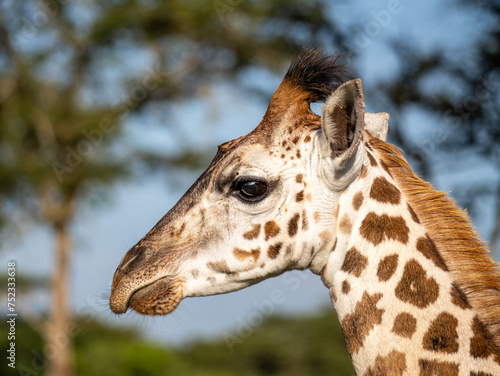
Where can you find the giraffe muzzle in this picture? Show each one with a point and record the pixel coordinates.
(158, 297)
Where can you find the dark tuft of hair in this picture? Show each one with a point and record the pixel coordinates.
(317, 74)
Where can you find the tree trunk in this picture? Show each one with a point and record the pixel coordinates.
(59, 350)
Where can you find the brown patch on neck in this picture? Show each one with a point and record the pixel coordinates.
(463, 252)
(435, 367)
(426, 246)
(385, 192)
(357, 200)
(415, 287)
(482, 344)
(357, 326)
(293, 225)
(377, 228)
(393, 364)
(387, 267)
(459, 298)
(442, 336)
(345, 225)
(354, 262)
(404, 325)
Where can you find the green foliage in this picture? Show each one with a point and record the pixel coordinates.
(280, 346)
(28, 344)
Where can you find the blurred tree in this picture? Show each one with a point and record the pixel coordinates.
(64, 64)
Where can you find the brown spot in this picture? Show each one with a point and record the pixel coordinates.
(334, 246)
(271, 229)
(373, 162)
(299, 178)
(480, 373)
(305, 224)
(357, 326)
(243, 255)
(181, 230)
(195, 273)
(482, 344)
(354, 262)
(253, 233)
(325, 237)
(300, 196)
(295, 139)
(282, 156)
(384, 166)
(316, 216)
(220, 267)
(393, 364)
(346, 287)
(415, 288)
(293, 225)
(298, 154)
(307, 139)
(437, 368)
(404, 325)
(211, 280)
(335, 211)
(377, 228)
(357, 200)
(459, 298)
(427, 247)
(387, 267)
(362, 172)
(385, 192)
(413, 214)
(442, 335)
(333, 296)
(345, 225)
(369, 146)
(274, 250)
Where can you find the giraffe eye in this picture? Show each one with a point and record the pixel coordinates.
(251, 190)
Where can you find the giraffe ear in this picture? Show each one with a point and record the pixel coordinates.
(342, 121)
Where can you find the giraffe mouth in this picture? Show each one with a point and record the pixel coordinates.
(160, 297)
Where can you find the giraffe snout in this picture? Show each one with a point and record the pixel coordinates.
(135, 258)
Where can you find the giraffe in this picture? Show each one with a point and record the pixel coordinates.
(414, 287)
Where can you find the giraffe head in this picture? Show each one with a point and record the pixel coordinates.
(266, 203)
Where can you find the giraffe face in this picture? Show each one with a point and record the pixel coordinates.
(247, 218)
(265, 205)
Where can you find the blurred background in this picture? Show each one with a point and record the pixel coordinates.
(109, 110)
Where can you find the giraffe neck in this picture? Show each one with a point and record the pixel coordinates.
(400, 309)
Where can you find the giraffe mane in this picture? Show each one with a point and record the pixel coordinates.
(463, 251)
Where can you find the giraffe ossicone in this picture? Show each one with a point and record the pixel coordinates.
(414, 287)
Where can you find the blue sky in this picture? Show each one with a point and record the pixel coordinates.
(103, 233)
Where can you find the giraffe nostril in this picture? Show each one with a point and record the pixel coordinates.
(135, 258)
